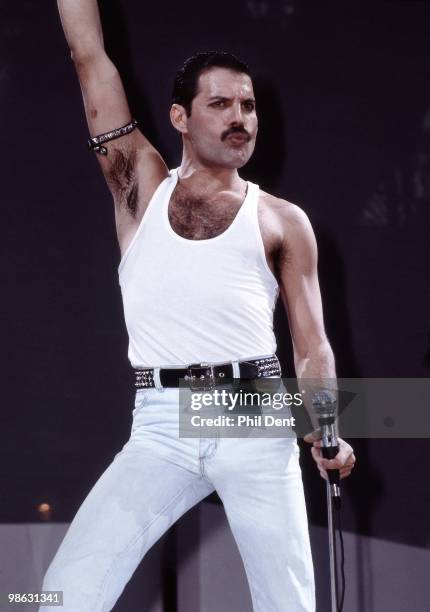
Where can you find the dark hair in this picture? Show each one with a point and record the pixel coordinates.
(186, 79)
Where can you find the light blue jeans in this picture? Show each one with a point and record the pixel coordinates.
(155, 479)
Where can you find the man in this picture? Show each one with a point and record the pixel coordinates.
(204, 254)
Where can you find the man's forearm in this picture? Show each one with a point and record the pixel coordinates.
(82, 26)
(316, 370)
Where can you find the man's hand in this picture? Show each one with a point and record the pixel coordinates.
(344, 460)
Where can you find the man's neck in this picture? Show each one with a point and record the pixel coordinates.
(209, 179)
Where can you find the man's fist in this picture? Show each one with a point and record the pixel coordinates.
(344, 460)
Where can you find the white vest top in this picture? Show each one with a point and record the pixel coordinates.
(192, 301)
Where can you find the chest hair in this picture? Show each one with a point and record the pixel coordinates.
(197, 218)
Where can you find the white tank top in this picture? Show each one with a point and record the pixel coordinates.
(193, 301)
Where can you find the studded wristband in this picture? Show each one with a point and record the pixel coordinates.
(96, 143)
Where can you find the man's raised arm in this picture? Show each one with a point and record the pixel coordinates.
(132, 167)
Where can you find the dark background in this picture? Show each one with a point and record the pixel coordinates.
(344, 104)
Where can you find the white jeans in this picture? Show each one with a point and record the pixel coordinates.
(155, 479)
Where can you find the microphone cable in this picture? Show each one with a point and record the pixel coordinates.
(342, 560)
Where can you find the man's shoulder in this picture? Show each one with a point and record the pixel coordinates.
(287, 213)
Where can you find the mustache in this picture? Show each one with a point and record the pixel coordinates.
(235, 130)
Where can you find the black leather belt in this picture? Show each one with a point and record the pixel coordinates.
(206, 376)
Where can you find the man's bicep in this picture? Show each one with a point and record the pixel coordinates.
(105, 102)
(299, 287)
(107, 109)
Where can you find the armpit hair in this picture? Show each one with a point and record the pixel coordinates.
(282, 258)
(122, 178)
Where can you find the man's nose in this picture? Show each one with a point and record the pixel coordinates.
(236, 114)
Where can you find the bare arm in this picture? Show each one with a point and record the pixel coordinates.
(133, 168)
(313, 356)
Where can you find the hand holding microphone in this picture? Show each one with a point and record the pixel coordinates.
(334, 457)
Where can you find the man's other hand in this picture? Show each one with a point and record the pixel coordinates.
(344, 460)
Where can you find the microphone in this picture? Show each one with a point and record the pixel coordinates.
(324, 405)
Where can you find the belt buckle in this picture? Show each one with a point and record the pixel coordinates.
(200, 377)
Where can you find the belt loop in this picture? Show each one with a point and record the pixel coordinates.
(236, 369)
(157, 381)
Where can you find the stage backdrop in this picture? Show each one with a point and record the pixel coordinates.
(344, 104)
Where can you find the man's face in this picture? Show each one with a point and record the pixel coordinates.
(223, 124)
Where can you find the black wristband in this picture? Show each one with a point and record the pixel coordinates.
(96, 142)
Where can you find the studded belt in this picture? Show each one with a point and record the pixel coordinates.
(206, 376)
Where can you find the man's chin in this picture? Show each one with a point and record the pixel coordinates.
(239, 159)
(232, 161)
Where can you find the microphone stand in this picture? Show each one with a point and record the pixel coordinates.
(334, 588)
(324, 404)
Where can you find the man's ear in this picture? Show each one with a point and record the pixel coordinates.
(178, 117)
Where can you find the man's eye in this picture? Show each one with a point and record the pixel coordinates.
(218, 104)
(249, 106)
